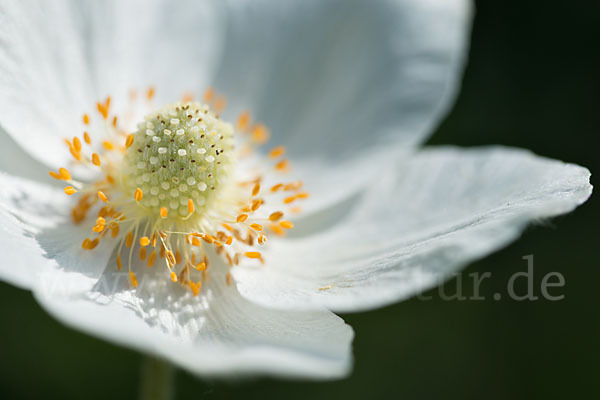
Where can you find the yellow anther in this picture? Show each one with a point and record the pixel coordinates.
(55, 175)
(129, 239)
(243, 121)
(142, 253)
(173, 276)
(64, 174)
(275, 216)
(256, 204)
(102, 196)
(114, 121)
(98, 228)
(187, 97)
(277, 152)
(108, 145)
(119, 263)
(220, 104)
(209, 94)
(276, 187)
(133, 279)
(286, 224)
(228, 279)
(114, 229)
(150, 93)
(138, 195)
(164, 212)
(103, 108)
(289, 199)
(76, 155)
(253, 254)
(151, 259)
(277, 229)
(256, 189)
(262, 239)
(201, 266)
(241, 217)
(190, 206)
(229, 240)
(76, 144)
(195, 286)
(282, 165)
(129, 140)
(87, 138)
(70, 190)
(256, 227)
(171, 260)
(86, 119)
(144, 241)
(93, 243)
(96, 159)
(293, 186)
(208, 238)
(260, 133)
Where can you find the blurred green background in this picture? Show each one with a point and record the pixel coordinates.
(532, 82)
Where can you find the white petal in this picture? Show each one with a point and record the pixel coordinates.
(420, 222)
(335, 78)
(37, 239)
(58, 58)
(343, 83)
(217, 333)
(15, 161)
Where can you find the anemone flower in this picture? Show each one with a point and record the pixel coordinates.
(219, 230)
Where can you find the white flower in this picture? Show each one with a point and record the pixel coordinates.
(350, 88)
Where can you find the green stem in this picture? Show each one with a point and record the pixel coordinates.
(156, 379)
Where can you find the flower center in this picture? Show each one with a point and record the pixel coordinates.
(183, 185)
(180, 153)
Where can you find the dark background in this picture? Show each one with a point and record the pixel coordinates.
(531, 82)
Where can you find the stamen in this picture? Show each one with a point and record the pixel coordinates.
(76, 144)
(129, 140)
(286, 224)
(129, 239)
(180, 164)
(275, 216)
(256, 189)
(150, 93)
(164, 212)
(96, 159)
(256, 227)
(64, 174)
(133, 279)
(102, 196)
(253, 254)
(277, 152)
